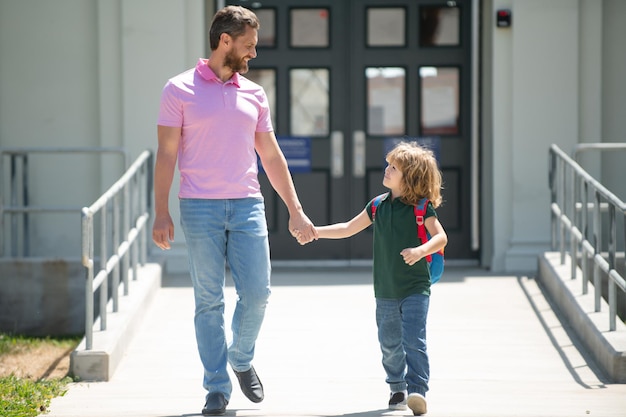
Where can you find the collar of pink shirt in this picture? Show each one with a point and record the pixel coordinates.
(207, 73)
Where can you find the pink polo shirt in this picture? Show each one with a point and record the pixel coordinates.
(216, 157)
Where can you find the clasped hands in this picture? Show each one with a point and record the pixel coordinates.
(303, 230)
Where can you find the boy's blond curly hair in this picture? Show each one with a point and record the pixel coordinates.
(421, 176)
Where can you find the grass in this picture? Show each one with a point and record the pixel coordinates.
(24, 398)
(15, 343)
(21, 397)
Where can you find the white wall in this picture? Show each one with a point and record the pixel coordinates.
(160, 39)
(590, 65)
(614, 94)
(603, 89)
(87, 73)
(90, 73)
(555, 76)
(536, 96)
(48, 80)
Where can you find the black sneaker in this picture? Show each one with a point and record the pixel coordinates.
(251, 385)
(397, 400)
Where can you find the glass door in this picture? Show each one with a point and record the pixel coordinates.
(348, 79)
(410, 64)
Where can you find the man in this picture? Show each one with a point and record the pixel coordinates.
(214, 122)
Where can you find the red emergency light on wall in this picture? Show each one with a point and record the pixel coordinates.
(503, 18)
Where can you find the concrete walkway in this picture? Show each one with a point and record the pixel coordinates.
(496, 349)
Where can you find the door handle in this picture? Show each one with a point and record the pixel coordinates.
(358, 154)
(336, 154)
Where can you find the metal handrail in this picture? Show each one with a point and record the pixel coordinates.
(604, 146)
(570, 188)
(129, 242)
(18, 197)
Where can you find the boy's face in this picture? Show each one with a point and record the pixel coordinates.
(393, 177)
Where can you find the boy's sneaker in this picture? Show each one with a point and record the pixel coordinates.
(417, 403)
(397, 400)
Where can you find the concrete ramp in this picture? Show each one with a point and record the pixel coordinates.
(109, 346)
(607, 347)
(496, 347)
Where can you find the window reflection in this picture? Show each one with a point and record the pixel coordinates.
(386, 26)
(309, 28)
(439, 26)
(267, 33)
(309, 101)
(439, 101)
(266, 78)
(385, 100)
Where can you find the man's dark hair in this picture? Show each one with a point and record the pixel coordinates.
(232, 20)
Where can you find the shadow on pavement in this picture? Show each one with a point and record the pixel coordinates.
(312, 276)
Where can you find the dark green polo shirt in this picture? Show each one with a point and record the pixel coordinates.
(394, 230)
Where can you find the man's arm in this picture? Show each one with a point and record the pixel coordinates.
(167, 153)
(277, 171)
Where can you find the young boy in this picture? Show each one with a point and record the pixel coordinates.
(401, 273)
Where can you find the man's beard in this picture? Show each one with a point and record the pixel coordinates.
(235, 64)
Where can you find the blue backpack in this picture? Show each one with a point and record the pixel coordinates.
(435, 261)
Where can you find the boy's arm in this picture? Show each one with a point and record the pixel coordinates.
(438, 240)
(347, 229)
(438, 237)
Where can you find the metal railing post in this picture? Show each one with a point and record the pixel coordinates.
(115, 240)
(561, 202)
(13, 199)
(126, 228)
(552, 184)
(87, 260)
(573, 186)
(124, 238)
(597, 244)
(25, 203)
(612, 296)
(3, 235)
(584, 223)
(584, 233)
(104, 296)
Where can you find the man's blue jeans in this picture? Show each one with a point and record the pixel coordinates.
(402, 338)
(234, 232)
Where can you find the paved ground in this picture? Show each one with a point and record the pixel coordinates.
(495, 345)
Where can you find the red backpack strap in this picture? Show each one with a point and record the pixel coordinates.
(420, 215)
(375, 202)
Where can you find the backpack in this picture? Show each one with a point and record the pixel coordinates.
(435, 260)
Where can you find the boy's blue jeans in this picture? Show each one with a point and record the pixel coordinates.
(234, 232)
(402, 338)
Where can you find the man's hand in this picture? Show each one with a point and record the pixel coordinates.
(163, 231)
(302, 229)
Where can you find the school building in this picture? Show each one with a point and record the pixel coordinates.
(489, 84)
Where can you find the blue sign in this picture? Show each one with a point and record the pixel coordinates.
(429, 142)
(297, 151)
